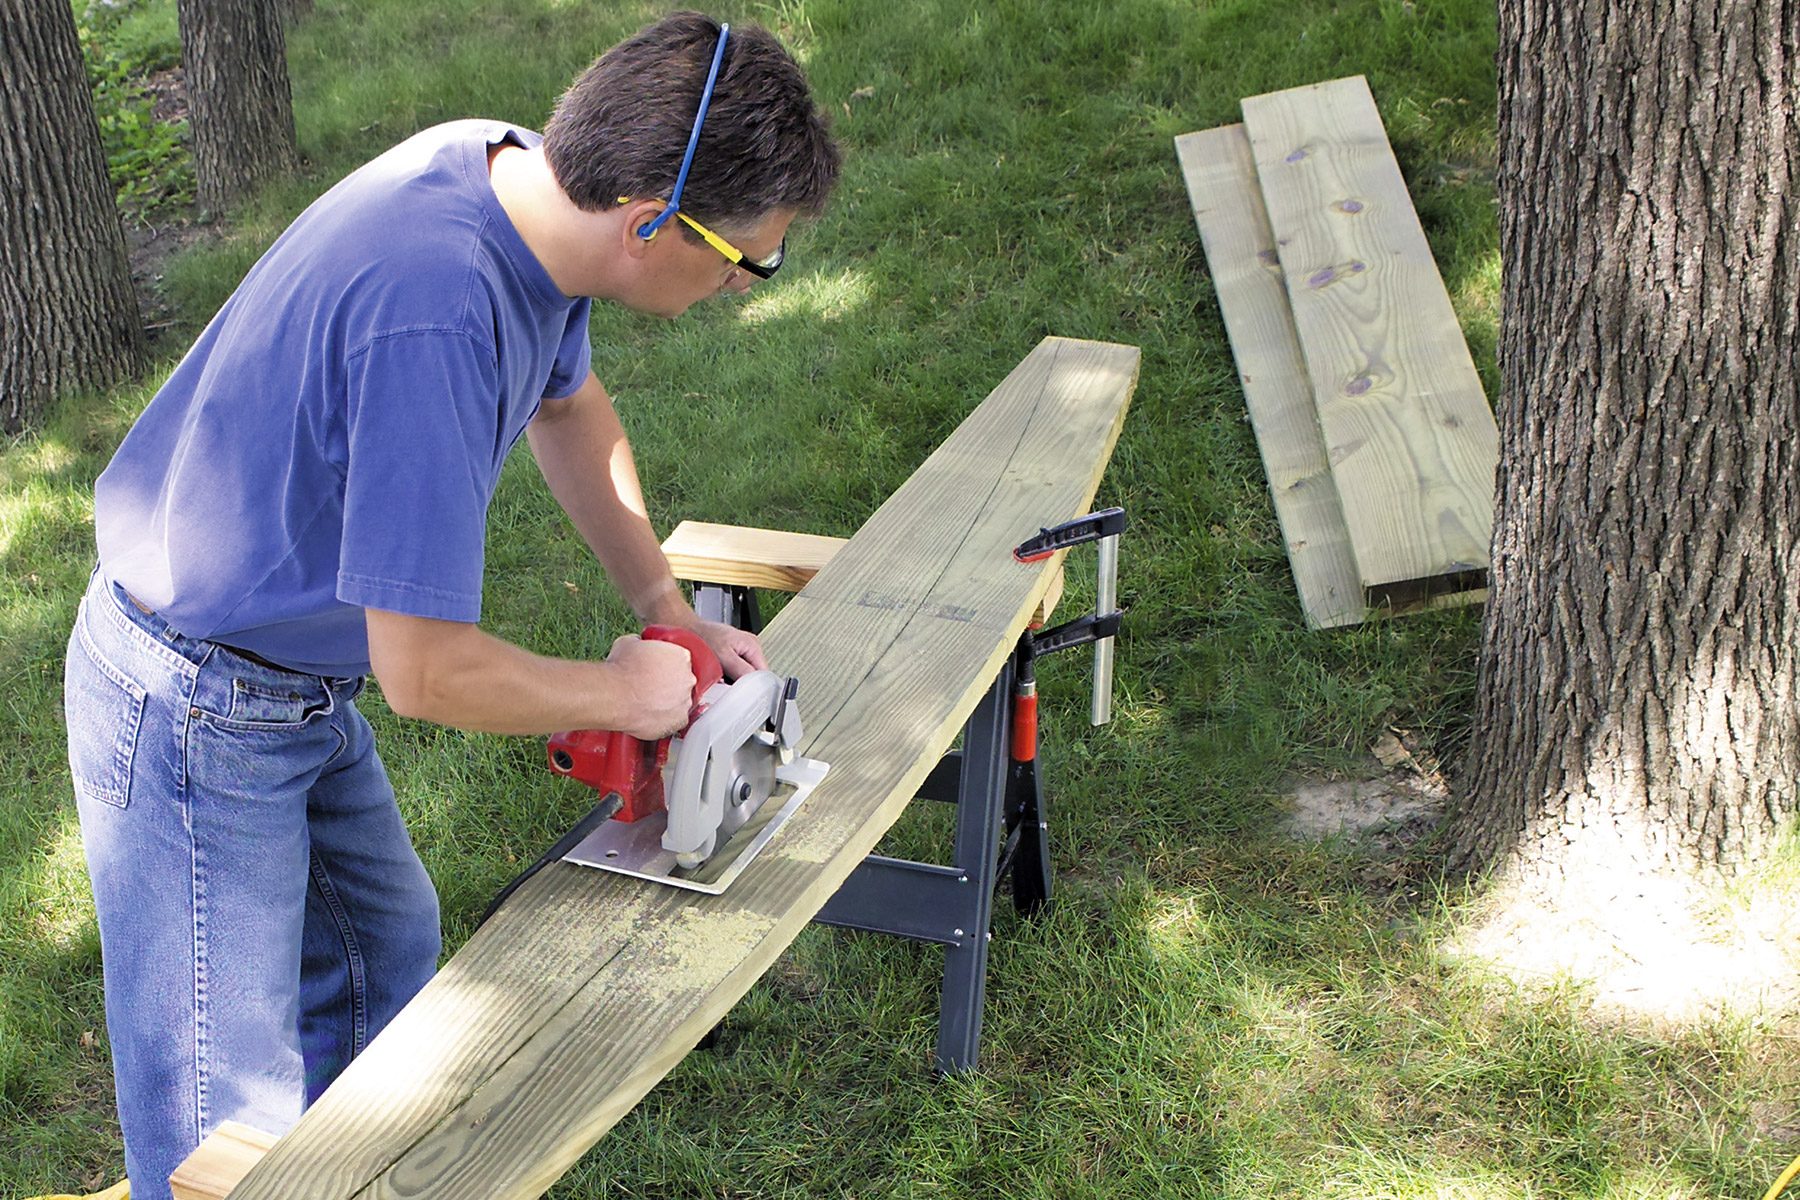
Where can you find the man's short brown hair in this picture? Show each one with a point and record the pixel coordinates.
(623, 125)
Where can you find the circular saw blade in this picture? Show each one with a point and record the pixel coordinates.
(753, 779)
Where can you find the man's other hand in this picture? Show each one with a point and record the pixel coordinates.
(659, 676)
(738, 650)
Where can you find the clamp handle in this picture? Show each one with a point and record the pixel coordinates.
(1107, 524)
(1104, 527)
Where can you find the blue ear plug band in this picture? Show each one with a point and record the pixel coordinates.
(648, 230)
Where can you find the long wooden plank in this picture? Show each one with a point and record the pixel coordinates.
(1240, 251)
(586, 988)
(1410, 437)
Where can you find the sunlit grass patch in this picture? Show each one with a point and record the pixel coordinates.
(38, 519)
(814, 297)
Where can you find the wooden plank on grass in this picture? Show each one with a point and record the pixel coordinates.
(1240, 252)
(1408, 432)
(586, 988)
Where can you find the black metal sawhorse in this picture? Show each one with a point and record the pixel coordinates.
(1000, 831)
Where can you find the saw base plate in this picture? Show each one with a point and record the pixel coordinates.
(635, 847)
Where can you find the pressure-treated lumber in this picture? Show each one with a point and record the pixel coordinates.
(774, 559)
(222, 1160)
(1408, 432)
(1240, 252)
(587, 987)
(697, 550)
(1246, 271)
(746, 556)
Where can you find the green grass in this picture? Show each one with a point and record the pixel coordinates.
(1211, 1009)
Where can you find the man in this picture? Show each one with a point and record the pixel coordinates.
(305, 499)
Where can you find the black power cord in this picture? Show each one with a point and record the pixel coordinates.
(603, 811)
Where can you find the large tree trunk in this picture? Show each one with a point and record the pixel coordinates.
(68, 315)
(240, 108)
(1637, 696)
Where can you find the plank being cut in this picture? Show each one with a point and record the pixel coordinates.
(1408, 432)
(772, 558)
(587, 987)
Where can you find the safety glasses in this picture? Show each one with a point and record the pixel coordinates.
(762, 268)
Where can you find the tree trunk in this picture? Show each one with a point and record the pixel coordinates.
(1637, 696)
(68, 315)
(240, 109)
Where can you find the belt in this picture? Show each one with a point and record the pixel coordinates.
(237, 650)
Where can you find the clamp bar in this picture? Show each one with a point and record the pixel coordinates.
(1100, 711)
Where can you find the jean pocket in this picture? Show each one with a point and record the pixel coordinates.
(269, 706)
(104, 708)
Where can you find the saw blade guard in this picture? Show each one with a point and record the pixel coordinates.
(708, 790)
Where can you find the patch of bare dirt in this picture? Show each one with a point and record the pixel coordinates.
(168, 89)
(1640, 949)
(1643, 948)
(1401, 798)
(150, 243)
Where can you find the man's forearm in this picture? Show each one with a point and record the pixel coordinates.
(476, 681)
(455, 674)
(584, 455)
(570, 438)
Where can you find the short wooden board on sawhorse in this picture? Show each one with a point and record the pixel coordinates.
(511, 1062)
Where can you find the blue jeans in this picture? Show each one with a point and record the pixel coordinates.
(262, 911)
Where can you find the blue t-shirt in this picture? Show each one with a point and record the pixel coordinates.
(333, 439)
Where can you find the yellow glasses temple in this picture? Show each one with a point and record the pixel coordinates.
(712, 239)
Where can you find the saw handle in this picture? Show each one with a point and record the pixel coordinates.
(707, 668)
(615, 763)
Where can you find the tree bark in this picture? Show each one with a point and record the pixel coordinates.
(68, 315)
(240, 108)
(1637, 695)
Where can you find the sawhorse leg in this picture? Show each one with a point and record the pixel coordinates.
(953, 905)
(730, 603)
(1000, 828)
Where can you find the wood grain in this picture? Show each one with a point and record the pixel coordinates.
(587, 987)
(1408, 432)
(1246, 271)
(1240, 253)
(747, 556)
(223, 1159)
